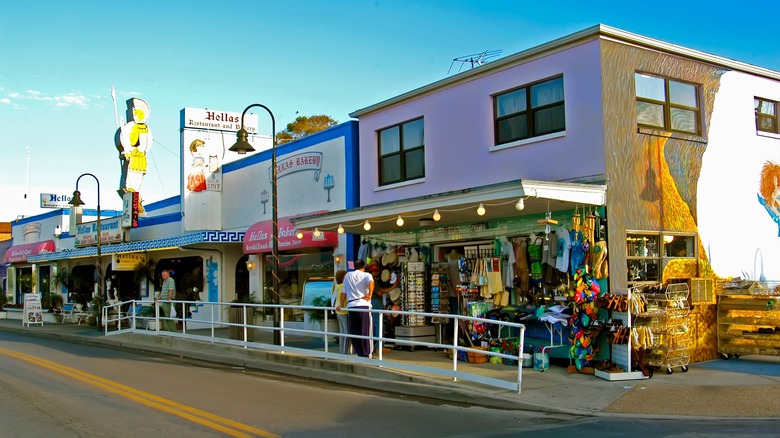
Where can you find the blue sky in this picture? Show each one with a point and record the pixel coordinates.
(58, 61)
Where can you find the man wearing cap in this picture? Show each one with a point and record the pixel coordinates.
(359, 287)
(377, 302)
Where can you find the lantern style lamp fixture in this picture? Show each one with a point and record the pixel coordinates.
(241, 147)
(77, 202)
(317, 233)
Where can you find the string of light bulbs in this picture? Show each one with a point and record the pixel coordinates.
(400, 219)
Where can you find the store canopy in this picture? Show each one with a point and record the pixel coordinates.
(19, 253)
(258, 238)
(194, 238)
(460, 206)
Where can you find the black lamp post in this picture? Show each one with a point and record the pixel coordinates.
(242, 146)
(77, 202)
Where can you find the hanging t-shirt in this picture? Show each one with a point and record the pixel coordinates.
(535, 256)
(577, 251)
(564, 245)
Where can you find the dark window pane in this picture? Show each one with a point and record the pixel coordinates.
(549, 120)
(683, 120)
(547, 93)
(415, 164)
(766, 124)
(513, 128)
(650, 114)
(390, 169)
(413, 134)
(682, 94)
(389, 140)
(511, 103)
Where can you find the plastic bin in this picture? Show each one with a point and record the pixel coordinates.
(541, 361)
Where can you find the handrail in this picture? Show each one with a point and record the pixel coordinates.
(132, 321)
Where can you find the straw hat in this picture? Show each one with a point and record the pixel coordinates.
(385, 275)
(395, 294)
(389, 259)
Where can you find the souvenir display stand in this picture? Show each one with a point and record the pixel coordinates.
(664, 328)
(440, 298)
(413, 296)
(748, 321)
(621, 347)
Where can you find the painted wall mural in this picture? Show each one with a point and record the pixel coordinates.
(653, 176)
(769, 191)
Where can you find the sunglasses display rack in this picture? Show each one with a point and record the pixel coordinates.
(414, 296)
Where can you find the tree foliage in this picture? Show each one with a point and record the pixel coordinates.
(303, 126)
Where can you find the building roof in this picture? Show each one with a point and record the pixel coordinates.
(599, 31)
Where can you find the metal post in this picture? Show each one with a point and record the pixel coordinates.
(99, 254)
(274, 211)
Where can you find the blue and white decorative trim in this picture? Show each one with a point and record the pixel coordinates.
(146, 245)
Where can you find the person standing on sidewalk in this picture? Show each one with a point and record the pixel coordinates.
(359, 286)
(338, 299)
(167, 292)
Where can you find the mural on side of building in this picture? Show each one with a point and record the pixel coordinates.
(205, 165)
(769, 191)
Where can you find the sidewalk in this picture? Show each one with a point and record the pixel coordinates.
(745, 387)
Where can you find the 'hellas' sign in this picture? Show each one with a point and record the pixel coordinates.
(200, 118)
(111, 232)
(53, 200)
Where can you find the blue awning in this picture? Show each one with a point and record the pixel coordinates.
(145, 245)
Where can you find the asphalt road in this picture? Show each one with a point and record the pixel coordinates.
(55, 388)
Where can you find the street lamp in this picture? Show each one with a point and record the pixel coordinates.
(242, 146)
(77, 202)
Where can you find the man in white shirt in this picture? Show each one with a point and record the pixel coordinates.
(359, 286)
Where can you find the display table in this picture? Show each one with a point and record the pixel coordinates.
(748, 323)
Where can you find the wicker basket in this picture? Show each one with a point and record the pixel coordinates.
(477, 357)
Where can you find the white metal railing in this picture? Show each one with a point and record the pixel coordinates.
(143, 316)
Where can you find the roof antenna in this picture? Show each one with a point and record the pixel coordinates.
(475, 59)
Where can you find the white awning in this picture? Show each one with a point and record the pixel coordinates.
(460, 206)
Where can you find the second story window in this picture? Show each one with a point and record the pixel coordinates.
(530, 111)
(667, 104)
(402, 152)
(766, 115)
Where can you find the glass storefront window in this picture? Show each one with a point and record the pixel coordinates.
(294, 270)
(648, 252)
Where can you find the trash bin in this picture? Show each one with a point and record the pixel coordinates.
(241, 315)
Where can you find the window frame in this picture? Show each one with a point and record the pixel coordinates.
(659, 256)
(402, 153)
(529, 111)
(756, 105)
(667, 105)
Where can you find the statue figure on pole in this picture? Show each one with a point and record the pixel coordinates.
(133, 140)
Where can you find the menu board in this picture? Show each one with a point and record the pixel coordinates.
(33, 312)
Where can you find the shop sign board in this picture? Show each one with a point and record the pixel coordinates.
(127, 261)
(53, 200)
(202, 118)
(111, 232)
